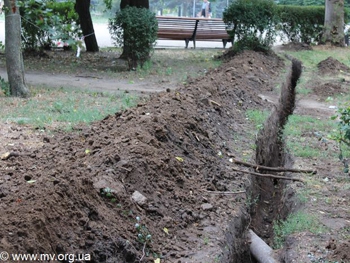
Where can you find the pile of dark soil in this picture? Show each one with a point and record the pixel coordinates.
(329, 89)
(331, 66)
(341, 251)
(165, 161)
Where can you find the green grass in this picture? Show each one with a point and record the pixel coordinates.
(311, 58)
(257, 117)
(301, 124)
(63, 106)
(305, 134)
(171, 65)
(297, 222)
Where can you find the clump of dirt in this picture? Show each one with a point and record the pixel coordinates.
(165, 162)
(331, 66)
(341, 251)
(329, 89)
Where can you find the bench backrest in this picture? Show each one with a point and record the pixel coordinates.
(187, 27)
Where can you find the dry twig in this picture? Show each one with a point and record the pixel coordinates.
(270, 175)
(276, 169)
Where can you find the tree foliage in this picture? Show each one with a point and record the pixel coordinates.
(134, 29)
(44, 21)
(252, 23)
(301, 23)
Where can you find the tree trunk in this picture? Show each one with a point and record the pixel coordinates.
(13, 53)
(82, 7)
(138, 4)
(333, 32)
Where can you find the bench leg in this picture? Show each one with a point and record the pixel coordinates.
(187, 41)
(224, 42)
(194, 44)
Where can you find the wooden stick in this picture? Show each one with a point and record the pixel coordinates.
(270, 175)
(277, 169)
(195, 135)
(214, 102)
(225, 193)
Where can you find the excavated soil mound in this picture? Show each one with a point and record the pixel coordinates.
(331, 66)
(341, 251)
(328, 89)
(165, 161)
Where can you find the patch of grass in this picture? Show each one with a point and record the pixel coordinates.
(63, 107)
(258, 117)
(305, 135)
(303, 150)
(297, 222)
(311, 58)
(300, 124)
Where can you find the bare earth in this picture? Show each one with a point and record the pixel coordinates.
(75, 192)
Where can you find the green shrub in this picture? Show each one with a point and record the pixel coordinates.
(135, 30)
(252, 23)
(301, 23)
(44, 21)
(4, 87)
(342, 135)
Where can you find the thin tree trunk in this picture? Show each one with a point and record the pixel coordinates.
(13, 54)
(333, 32)
(82, 7)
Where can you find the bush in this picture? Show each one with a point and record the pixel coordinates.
(252, 23)
(4, 87)
(46, 20)
(135, 30)
(343, 117)
(301, 23)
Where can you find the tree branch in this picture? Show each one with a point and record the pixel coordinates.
(270, 175)
(276, 169)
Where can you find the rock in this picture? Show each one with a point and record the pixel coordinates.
(207, 207)
(105, 181)
(138, 198)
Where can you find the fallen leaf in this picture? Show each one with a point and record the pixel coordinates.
(87, 151)
(166, 230)
(31, 181)
(157, 260)
(179, 159)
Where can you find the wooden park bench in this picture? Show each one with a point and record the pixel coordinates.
(192, 29)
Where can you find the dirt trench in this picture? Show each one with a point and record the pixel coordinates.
(173, 150)
(269, 193)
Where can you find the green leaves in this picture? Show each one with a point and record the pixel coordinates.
(134, 29)
(44, 21)
(343, 133)
(251, 23)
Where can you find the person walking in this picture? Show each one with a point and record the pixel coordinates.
(206, 10)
